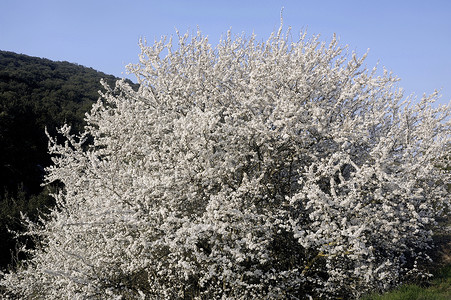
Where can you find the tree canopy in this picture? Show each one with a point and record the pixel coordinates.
(251, 170)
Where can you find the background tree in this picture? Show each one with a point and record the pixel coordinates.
(35, 93)
(281, 169)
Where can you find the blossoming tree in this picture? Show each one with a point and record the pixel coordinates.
(251, 170)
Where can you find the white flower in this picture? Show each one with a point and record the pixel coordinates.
(280, 169)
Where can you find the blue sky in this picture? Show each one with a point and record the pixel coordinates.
(411, 38)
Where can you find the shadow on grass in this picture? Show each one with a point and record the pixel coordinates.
(439, 288)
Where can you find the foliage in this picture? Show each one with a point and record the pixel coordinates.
(35, 93)
(250, 170)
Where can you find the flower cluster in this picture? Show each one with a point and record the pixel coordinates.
(251, 170)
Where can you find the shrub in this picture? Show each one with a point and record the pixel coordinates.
(250, 170)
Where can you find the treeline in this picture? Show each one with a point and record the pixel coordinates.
(35, 94)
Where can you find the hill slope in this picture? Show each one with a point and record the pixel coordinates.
(35, 93)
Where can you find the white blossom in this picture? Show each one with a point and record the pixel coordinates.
(274, 170)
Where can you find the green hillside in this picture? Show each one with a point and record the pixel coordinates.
(35, 93)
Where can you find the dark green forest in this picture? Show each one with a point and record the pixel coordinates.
(35, 93)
